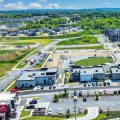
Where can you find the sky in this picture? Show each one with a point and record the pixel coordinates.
(57, 4)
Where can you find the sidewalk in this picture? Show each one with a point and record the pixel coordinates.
(93, 112)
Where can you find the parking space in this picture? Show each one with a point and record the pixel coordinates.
(104, 102)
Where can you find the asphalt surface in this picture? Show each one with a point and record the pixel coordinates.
(69, 89)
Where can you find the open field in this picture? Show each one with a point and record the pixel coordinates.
(19, 41)
(85, 48)
(84, 40)
(60, 56)
(9, 59)
(93, 61)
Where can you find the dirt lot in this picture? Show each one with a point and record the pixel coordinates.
(59, 56)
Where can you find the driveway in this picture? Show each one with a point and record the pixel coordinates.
(93, 112)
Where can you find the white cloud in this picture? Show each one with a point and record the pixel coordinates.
(18, 5)
(53, 5)
(42, 0)
(35, 5)
(108, 3)
(1, 1)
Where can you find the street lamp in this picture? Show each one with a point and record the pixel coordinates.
(75, 106)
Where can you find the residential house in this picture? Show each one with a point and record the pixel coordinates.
(113, 34)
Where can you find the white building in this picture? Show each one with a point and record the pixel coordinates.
(31, 78)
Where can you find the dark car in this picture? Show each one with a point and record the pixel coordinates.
(42, 87)
(84, 98)
(104, 84)
(75, 93)
(33, 102)
(30, 107)
(50, 87)
(80, 93)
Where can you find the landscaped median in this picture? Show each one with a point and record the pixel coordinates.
(100, 47)
(108, 115)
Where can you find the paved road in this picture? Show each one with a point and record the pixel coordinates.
(93, 112)
(69, 89)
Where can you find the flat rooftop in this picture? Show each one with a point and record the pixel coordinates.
(31, 74)
(115, 69)
(92, 70)
(7, 96)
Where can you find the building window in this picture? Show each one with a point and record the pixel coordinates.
(42, 73)
(50, 78)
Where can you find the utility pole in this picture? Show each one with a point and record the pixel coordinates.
(75, 106)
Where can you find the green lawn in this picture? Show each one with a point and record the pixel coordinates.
(62, 117)
(112, 115)
(11, 59)
(43, 118)
(18, 41)
(84, 40)
(86, 48)
(100, 116)
(25, 113)
(2, 52)
(93, 61)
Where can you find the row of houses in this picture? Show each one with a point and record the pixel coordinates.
(49, 76)
(94, 74)
(113, 34)
(32, 78)
(12, 30)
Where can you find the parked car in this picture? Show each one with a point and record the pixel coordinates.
(80, 110)
(50, 87)
(37, 88)
(50, 111)
(42, 87)
(75, 93)
(84, 98)
(89, 84)
(80, 93)
(60, 111)
(33, 102)
(30, 107)
(104, 84)
(85, 85)
(93, 84)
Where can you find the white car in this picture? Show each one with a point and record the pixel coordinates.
(37, 88)
(60, 111)
(80, 110)
(50, 111)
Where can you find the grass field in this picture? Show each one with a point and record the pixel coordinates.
(85, 48)
(93, 61)
(24, 41)
(62, 117)
(112, 115)
(9, 60)
(84, 40)
(25, 113)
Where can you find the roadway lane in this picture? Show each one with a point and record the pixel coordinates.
(32, 92)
